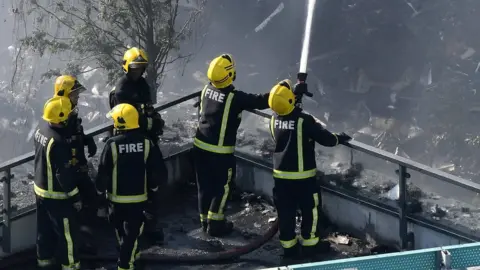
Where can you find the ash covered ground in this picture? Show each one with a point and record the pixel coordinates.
(252, 216)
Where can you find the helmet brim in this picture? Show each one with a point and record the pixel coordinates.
(138, 65)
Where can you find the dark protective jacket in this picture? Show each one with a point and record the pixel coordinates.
(131, 167)
(78, 139)
(131, 92)
(54, 172)
(220, 116)
(137, 94)
(295, 135)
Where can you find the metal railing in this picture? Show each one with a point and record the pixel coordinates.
(402, 173)
(441, 258)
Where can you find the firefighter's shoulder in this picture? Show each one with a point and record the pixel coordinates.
(309, 117)
(120, 83)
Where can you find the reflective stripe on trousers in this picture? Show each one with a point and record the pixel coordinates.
(73, 262)
(44, 263)
(313, 240)
(289, 243)
(135, 254)
(226, 190)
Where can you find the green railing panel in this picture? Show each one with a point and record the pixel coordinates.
(461, 257)
(465, 255)
(418, 259)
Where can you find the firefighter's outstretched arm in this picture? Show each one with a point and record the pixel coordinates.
(322, 136)
(104, 169)
(60, 157)
(249, 101)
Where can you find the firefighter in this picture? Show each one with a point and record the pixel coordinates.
(134, 90)
(295, 133)
(130, 171)
(57, 195)
(221, 107)
(68, 86)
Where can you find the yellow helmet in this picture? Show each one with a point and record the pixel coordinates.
(282, 99)
(66, 84)
(221, 71)
(57, 110)
(134, 58)
(124, 116)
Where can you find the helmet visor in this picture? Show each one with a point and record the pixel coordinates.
(138, 65)
(109, 115)
(78, 88)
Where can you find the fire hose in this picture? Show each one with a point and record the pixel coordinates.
(18, 260)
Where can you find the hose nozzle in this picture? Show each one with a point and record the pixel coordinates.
(301, 77)
(301, 87)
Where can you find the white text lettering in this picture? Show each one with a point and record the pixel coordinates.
(130, 148)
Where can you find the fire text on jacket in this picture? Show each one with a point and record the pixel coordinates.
(130, 148)
(285, 124)
(219, 97)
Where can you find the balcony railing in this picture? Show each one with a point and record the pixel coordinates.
(405, 166)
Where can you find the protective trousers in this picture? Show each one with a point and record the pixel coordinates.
(57, 224)
(215, 173)
(290, 195)
(128, 220)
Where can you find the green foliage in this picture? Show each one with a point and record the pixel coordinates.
(100, 31)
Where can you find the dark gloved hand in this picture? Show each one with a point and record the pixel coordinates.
(101, 201)
(153, 201)
(158, 124)
(78, 205)
(92, 147)
(343, 138)
(301, 89)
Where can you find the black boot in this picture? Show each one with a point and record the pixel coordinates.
(50, 267)
(204, 226)
(155, 237)
(322, 247)
(219, 228)
(292, 253)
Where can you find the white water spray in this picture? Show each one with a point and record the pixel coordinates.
(306, 36)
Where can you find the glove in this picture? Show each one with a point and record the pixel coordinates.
(301, 89)
(101, 200)
(92, 147)
(158, 124)
(78, 205)
(343, 138)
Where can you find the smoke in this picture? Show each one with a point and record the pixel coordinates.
(377, 70)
